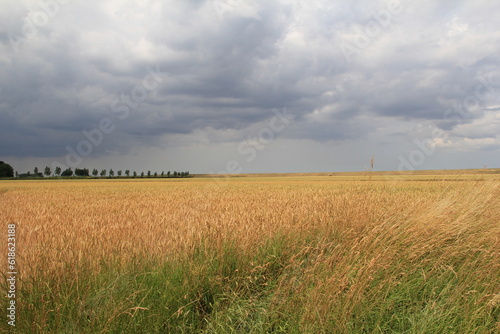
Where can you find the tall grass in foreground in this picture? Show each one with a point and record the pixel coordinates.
(256, 257)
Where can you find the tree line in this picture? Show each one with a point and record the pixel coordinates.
(7, 171)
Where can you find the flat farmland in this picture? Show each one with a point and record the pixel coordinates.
(352, 253)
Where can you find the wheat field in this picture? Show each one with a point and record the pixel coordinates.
(297, 254)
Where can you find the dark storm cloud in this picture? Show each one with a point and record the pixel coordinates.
(228, 67)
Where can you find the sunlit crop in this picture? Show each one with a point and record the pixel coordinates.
(271, 254)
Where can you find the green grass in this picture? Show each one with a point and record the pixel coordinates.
(226, 291)
(208, 291)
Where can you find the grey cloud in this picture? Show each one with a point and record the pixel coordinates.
(229, 72)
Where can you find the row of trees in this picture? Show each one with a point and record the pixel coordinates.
(7, 171)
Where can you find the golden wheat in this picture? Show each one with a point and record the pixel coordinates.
(61, 223)
(363, 231)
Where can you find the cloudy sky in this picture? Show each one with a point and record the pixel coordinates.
(250, 86)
